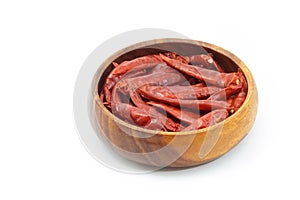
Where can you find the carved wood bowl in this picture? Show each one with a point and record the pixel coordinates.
(174, 149)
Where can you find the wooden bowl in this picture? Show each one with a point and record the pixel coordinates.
(174, 149)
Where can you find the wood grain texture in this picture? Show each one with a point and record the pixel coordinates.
(174, 149)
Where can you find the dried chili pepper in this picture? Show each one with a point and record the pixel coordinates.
(107, 87)
(162, 68)
(209, 76)
(205, 60)
(173, 55)
(137, 64)
(182, 115)
(169, 124)
(226, 92)
(116, 64)
(138, 117)
(218, 67)
(194, 104)
(201, 59)
(241, 96)
(229, 101)
(140, 63)
(239, 100)
(209, 119)
(182, 92)
(161, 78)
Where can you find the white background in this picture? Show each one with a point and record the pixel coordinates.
(42, 48)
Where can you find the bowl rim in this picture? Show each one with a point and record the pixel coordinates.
(228, 54)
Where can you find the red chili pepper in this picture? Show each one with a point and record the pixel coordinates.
(241, 96)
(226, 92)
(173, 55)
(182, 92)
(116, 64)
(205, 60)
(239, 100)
(101, 96)
(201, 59)
(110, 85)
(137, 64)
(182, 115)
(125, 111)
(137, 100)
(115, 95)
(229, 101)
(218, 67)
(207, 120)
(154, 79)
(206, 75)
(194, 104)
(140, 63)
(162, 68)
(168, 123)
(138, 117)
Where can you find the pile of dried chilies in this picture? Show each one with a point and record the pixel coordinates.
(169, 92)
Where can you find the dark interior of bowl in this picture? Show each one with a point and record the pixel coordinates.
(183, 49)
